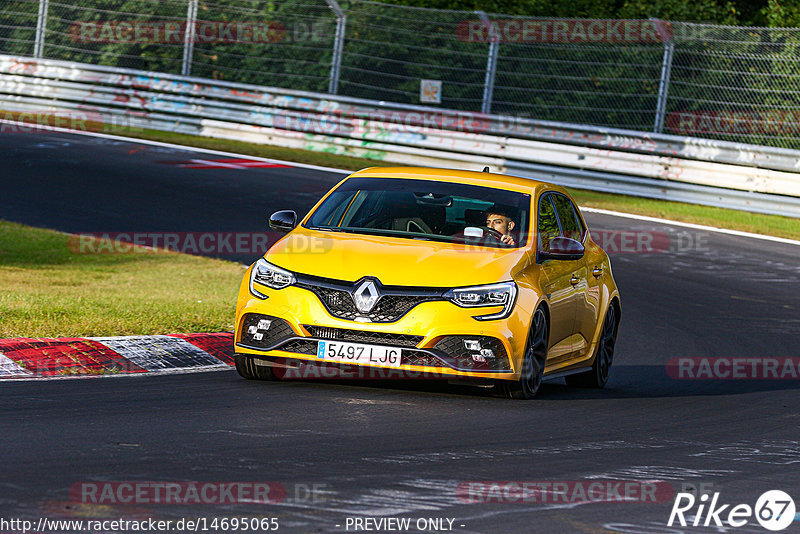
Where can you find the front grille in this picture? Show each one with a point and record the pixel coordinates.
(421, 358)
(388, 309)
(360, 336)
(263, 331)
(300, 346)
(394, 302)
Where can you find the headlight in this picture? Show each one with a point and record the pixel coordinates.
(266, 274)
(503, 294)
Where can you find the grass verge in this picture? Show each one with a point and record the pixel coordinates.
(51, 291)
(692, 213)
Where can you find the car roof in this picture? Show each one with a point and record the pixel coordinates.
(486, 179)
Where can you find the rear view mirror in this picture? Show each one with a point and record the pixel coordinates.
(563, 248)
(283, 221)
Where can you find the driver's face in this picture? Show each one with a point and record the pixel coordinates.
(499, 223)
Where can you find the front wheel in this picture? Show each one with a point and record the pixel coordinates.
(533, 362)
(247, 368)
(597, 376)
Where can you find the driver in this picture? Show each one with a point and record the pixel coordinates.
(499, 220)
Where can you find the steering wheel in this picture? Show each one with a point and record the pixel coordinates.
(487, 233)
(491, 232)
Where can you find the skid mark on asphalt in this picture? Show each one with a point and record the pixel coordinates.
(660, 472)
(405, 497)
(780, 452)
(281, 434)
(488, 453)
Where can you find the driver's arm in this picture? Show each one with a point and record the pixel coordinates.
(508, 239)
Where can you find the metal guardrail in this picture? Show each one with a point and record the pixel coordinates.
(717, 173)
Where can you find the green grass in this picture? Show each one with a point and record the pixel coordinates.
(50, 291)
(736, 220)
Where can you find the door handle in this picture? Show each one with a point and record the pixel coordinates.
(597, 272)
(574, 280)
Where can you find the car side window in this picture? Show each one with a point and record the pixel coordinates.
(547, 224)
(571, 226)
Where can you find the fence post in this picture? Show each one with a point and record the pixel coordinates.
(338, 46)
(189, 36)
(663, 86)
(491, 64)
(41, 25)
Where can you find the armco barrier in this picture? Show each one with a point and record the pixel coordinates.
(718, 173)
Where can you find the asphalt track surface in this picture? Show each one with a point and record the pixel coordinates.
(402, 449)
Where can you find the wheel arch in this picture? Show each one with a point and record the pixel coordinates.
(546, 308)
(617, 310)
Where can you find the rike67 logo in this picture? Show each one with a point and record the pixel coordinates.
(774, 510)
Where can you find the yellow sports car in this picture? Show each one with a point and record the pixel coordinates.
(433, 272)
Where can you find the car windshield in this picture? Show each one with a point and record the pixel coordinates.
(426, 209)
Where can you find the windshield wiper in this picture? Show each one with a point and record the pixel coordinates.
(327, 228)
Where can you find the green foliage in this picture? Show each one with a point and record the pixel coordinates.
(389, 48)
(18, 27)
(783, 13)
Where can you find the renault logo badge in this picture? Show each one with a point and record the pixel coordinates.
(365, 296)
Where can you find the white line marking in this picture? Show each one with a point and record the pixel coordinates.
(692, 225)
(207, 162)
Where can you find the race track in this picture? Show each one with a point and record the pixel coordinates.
(402, 449)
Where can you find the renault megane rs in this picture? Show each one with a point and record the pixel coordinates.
(459, 274)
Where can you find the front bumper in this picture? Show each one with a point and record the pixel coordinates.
(431, 335)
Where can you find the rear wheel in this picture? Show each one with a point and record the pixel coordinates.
(597, 376)
(247, 368)
(532, 363)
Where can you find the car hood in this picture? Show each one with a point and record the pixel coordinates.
(392, 260)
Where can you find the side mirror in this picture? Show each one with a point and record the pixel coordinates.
(563, 248)
(283, 221)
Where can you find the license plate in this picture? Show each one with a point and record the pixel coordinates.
(338, 351)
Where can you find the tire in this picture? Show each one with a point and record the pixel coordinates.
(247, 368)
(597, 376)
(532, 363)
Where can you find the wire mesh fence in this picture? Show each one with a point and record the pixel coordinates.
(731, 83)
(736, 83)
(18, 27)
(281, 44)
(389, 49)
